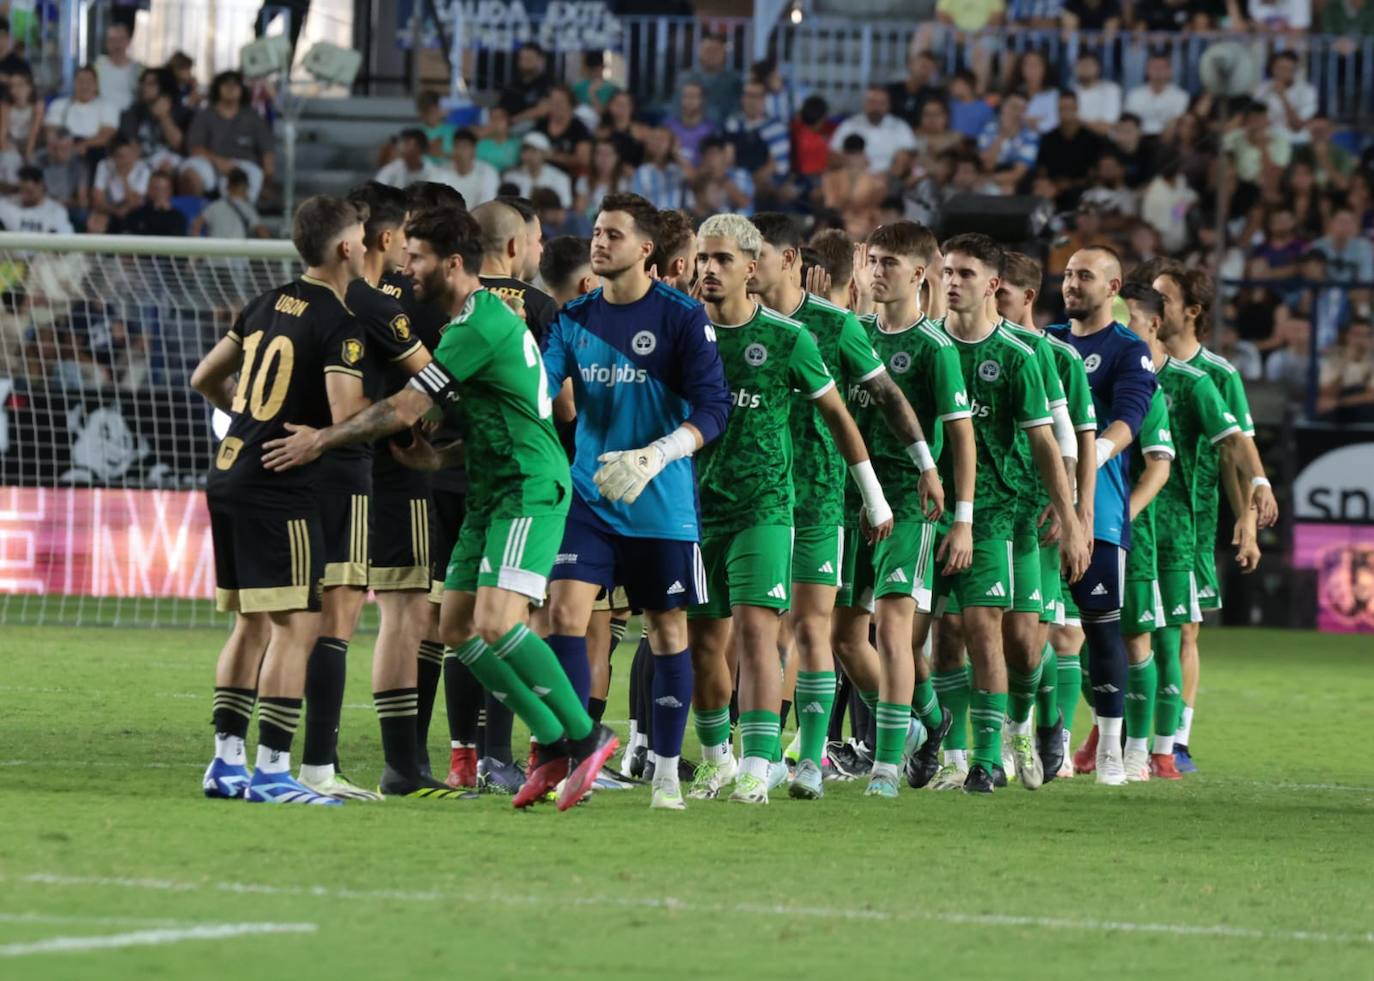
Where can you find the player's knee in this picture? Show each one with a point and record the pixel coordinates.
(568, 617)
(812, 634)
(667, 630)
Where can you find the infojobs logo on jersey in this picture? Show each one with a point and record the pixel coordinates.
(608, 375)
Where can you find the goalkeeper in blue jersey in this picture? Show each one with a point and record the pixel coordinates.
(650, 391)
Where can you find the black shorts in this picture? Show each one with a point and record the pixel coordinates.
(269, 552)
(400, 542)
(446, 512)
(346, 522)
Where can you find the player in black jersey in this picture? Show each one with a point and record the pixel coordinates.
(297, 351)
(506, 248)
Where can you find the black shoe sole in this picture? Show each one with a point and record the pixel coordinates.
(1052, 736)
(923, 765)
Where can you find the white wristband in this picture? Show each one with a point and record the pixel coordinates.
(963, 511)
(919, 452)
(869, 489)
(1105, 448)
(1259, 482)
(676, 445)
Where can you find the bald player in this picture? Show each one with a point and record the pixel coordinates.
(507, 246)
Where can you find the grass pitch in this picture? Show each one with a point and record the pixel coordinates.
(112, 865)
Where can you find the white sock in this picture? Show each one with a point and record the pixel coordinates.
(1094, 715)
(1068, 739)
(231, 750)
(1163, 746)
(665, 771)
(884, 770)
(1185, 727)
(957, 758)
(1109, 736)
(755, 766)
(270, 761)
(316, 774)
(455, 744)
(1021, 728)
(716, 754)
(1136, 745)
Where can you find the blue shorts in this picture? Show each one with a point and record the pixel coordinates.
(656, 573)
(1099, 591)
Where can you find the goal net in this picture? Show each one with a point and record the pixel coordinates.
(104, 448)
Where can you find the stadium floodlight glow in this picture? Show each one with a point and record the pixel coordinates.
(333, 65)
(796, 15)
(265, 56)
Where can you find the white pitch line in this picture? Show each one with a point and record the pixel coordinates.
(49, 920)
(104, 764)
(150, 938)
(672, 904)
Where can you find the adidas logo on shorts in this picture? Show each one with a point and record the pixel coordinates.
(676, 588)
(1206, 592)
(1035, 596)
(485, 566)
(1099, 590)
(778, 592)
(1180, 610)
(828, 569)
(1147, 617)
(898, 575)
(997, 590)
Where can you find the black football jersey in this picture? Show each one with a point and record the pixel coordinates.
(540, 309)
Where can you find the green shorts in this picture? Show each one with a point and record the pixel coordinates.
(904, 563)
(987, 582)
(856, 572)
(1179, 597)
(1027, 597)
(1070, 608)
(818, 553)
(1205, 572)
(1142, 611)
(509, 553)
(1051, 587)
(752, 567)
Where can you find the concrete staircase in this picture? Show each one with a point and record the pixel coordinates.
(337, 140)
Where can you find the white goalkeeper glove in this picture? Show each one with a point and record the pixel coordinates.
(624, 474)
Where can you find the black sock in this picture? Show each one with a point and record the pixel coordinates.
(325, 673)
(786, 711)
(499, 722)
(233, 710)
(462, 699)
(1107, 662)
(277, 722)
(396, 710)
(734, 710)
(429, 666)
(842, 693)
(617, 633)
(596, 708)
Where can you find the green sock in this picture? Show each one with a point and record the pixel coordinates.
(1070, 677)
(1021, 694)
(1169, 693)
(893, 722)
(927, 705)
(953, 690)
(497, 677)
(537, 666)
(1141, 682)
(815, 701)
(869, 698)
(758, 732)
(712, 726)
(986, 711)
(1047, 694)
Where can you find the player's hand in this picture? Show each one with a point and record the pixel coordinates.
(956, 551)
(1075, 552)
(419, 455)
(653, 271)
(624, 474)
(1247, 547)
(296, 450)
(874, 533)
(1051, 530)
(862, 282)
(1266, 506)
(932, 495)
(516, 303)
(817, 281)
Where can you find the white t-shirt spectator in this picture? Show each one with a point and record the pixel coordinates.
(477, 186)
(230, 218)
(396, 174)
(882, 141)
(550, 176)
(115, 186)
(1294, 15)
(1112, 200)
(84, 119)
(1157, 110)
(1101, 103)
(1165, 206)
(48, 217)
(118, 83)
(1302, 99)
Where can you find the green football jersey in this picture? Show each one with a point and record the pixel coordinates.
(515, 464)
(1054, 394)
(922, 361)
(1006, 397)
(1232, 388)
(1073, 377)
(1155, 437)
(1199, 420)
(819, 473)
(745, 476)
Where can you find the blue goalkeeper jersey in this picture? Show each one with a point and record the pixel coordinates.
(1122, 379)
(639, 370)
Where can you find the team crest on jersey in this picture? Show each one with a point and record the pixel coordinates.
(1092, 362)
(400, 326)
(901, 362)
(644, 343)
(755, 354)
(989, 371)
(352, 351)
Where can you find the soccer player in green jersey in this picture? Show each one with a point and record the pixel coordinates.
(820, 546)
(1152, 680)
(747, 502)
(1012, 422)
(517, 502)
(1188, 298)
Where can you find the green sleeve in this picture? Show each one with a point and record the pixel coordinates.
(858, 361)
(1216, 418)
(806, 371)
(463, 351)
(1049, 372)
(1233, 393)
(1029, 405)
(1155, 436)
(1080, 397)
(951, 397)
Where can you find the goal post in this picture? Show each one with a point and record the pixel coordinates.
(104, 448)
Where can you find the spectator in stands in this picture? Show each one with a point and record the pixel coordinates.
(1041, 15)
(1194, 147)
(1173, 16)
(1291, 100)
(525, 99)
(1299, 191)
(782, 99)
(190, 197)
(228, 133)
(924, 198)
(410, 164)
(21, 119)
(1349, 257)
(851, 188)
(556, 218)
(498, 147)
(11, 62)
(1333, 163)
(593, 90)
(157, 215)
(1091, 15)
(761, 143)
(888, 141)
(1346, 384)
(475, 179)
(1008, 140)
(690, 125)
(1067, 153)
(621, 126)
(811, 132)
(969, 113)
(661, 178)
(438, 130)
(121, 181)
(908, 98)
(118, 72)
(1257, 309)
(1348, 19)
(188, 92)
(968, 17)
(1326, 308)
(31, 210)
(535, 170)
(1031, 75)
(89, 118)
(232, 215)
(1137, 156)
(1244, 355)
(1099, 100)
(66, 175)
(1109, 195)
(1276, 16)
(1159, 102)
(722, 84)
(717, 186)
(156, 121)
(934, 136)
(1166, 203)
(570, 142)
(1281, 248)
(1259, 152)
(1087, 233)
(607, 176)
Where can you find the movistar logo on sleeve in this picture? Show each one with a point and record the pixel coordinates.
(608, 375)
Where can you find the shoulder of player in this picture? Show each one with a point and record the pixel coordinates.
(670, 294)
(1175, 366)
(932, 332)
(770, 317)
(1062, 347)
(579, 306)
(1217, 362)
(1009, 338)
